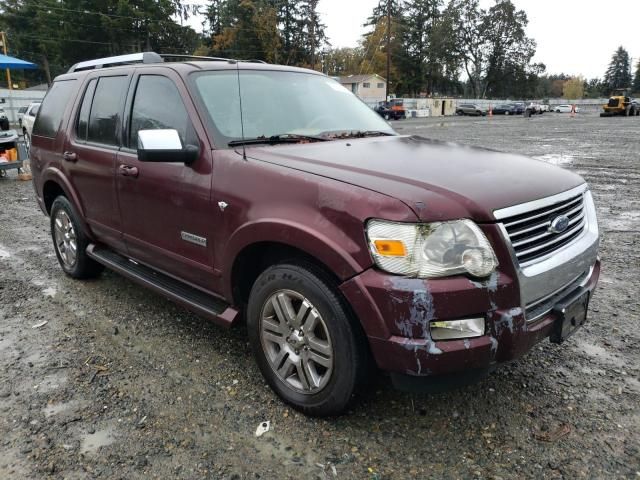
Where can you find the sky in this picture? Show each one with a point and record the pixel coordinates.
(576, 37)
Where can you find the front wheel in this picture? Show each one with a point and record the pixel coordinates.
(305, 342)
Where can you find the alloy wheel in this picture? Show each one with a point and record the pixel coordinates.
(65, 237)
(296, 342)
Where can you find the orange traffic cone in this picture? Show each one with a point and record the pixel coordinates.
(573, 110)
(490, 110)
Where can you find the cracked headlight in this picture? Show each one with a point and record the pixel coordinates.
(430, 250)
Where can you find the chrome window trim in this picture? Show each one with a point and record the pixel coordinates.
(521, 208)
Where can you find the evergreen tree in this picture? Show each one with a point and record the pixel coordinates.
(618, 74)
(57, 34)
(636, 80)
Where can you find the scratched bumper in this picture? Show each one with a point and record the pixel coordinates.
(396, 312)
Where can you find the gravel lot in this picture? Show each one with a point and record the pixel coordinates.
(120, 383)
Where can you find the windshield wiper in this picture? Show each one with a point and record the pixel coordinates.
(275, 139)
(356, 134)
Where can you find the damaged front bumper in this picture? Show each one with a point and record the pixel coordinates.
(397, 313)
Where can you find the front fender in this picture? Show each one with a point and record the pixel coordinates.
(344, 259)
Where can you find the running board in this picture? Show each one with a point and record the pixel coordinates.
(205, 305)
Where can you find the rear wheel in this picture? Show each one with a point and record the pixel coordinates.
(387, 116)
(70, 242)
(306, 345)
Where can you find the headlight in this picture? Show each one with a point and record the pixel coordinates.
(431, 249)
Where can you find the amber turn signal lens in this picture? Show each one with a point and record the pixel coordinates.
(390, 248)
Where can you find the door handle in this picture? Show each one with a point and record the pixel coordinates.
(69, 156)
(128, 170)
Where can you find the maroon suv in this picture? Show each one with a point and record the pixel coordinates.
(272, 195)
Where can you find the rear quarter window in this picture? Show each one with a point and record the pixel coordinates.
(53, 107)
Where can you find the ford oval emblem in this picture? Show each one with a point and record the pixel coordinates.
(559, 224)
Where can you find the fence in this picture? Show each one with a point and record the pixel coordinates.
(12, 100)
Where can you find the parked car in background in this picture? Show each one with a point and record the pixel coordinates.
(520, 107)
(469, 109)
(545, 107)
(4, 120)
(339, 244)
(21, 112)
(565, 108)
(534, 109)
(390, 111)
(28, 120)
(505, 109)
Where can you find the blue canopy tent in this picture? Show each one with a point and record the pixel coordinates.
(12, 63)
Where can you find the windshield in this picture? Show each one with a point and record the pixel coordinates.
(277, 103)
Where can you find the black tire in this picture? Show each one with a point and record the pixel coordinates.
(350, 357)
(27, 141)
(83, 266)
(387, 116)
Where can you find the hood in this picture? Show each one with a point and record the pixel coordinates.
(437, 180)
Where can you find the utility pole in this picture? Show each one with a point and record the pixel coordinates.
(312, 29)
(388, 48)
(3, 37)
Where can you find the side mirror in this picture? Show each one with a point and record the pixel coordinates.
(164, 146)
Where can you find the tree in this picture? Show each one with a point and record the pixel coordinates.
(420, 68)
(59, 34)
(618, 74)
(343, 61)
(280, 31)
(573, 89)
(493, 46)
(636, 80)
(595, 88)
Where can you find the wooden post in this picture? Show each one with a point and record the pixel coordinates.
(3, 36)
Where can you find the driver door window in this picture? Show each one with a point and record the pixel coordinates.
(158, 105)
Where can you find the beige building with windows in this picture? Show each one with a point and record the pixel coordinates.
(370, 88)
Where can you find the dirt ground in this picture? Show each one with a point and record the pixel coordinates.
(120, 383)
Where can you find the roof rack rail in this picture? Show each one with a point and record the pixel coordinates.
(146, 57)
(143, 57)
(196, 57)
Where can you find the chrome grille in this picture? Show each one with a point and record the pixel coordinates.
(530, 232)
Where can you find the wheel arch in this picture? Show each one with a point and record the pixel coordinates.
(259, 245)
(55, 184)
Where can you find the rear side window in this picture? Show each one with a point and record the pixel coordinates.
(158, 105)
(104, 117)
(83, 117)
(53, 107)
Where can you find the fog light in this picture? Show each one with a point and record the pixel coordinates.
(452, 329)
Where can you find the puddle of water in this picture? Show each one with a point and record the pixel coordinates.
(555, 158)
(91, 442)
(4, 254)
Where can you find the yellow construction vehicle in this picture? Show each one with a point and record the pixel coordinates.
(620, 104)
